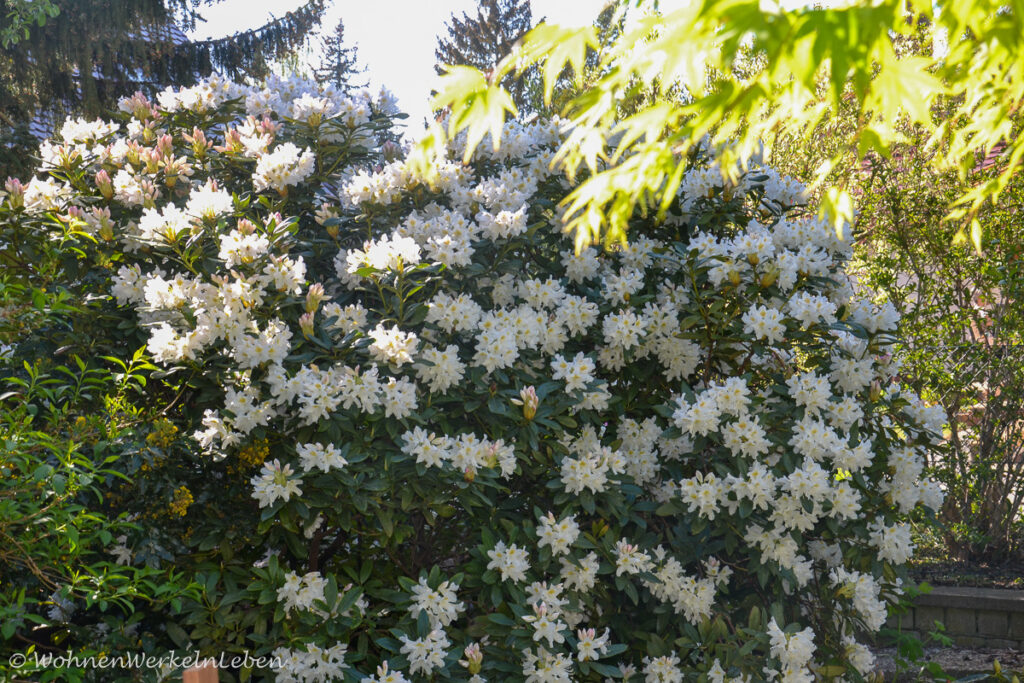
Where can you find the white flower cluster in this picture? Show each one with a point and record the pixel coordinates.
(466, 453)
(559, 535)
(425, 654)
(275, 482)
(511, 561)
(440, 604)
(311, 663)
(285, 165)
(794, 652)
(301, 592)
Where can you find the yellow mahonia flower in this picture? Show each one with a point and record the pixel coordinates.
(182, 500)
(163, 434)
(82, 430)
(250, 456)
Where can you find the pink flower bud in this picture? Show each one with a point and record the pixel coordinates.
(391, 150)
(140, 107)
(200, 144)
(166, 145)
(306, 324)
(104, 185)
(102, 218)
(232, 143)
(314, 295)
(15, 193)
(473, 658)
(529, 401)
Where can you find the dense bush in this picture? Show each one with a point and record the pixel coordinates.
(407, 432)
(961, 329)
(62, 553)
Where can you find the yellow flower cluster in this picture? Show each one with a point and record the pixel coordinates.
(251, 455)
(163, 434)
(182, 500)
(82, 429)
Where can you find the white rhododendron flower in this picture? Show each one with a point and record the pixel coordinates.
(285, 165)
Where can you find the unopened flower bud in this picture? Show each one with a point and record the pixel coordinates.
(165, 145)
(769, 278)
(734, 277)
(106, 231)
(246, 227)
(391, 150)
(104, 184)
(267, 126)
(876, 390)
(306, 324)
(138, 105)
(148, 132)
(492, 455)
(314, 295)
(150, 193)
(529, 401)
(232, 143)
(199, 142)
(325, 212)
(474, 658)
(135, 153)
(152, 160)
(15, 193)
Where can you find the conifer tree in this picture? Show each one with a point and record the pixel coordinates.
(94, 51)
(482, 41)
(64, 57)
(337, 61)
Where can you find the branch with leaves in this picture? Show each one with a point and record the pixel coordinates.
(786, 70)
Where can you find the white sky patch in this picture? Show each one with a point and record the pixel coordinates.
(396, 38)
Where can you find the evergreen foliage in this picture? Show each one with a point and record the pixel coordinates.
(484, 40)
(338, 62)
(94, 51)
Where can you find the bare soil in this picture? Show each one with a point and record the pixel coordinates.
(957, 662)
(1009, 574)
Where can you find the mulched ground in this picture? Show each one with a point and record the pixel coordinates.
(957, 662)
(978, 575)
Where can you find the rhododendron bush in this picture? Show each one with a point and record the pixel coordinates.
(422, 437)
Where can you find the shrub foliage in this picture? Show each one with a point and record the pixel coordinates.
(398, 429)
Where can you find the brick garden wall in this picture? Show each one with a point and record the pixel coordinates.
(973, 617)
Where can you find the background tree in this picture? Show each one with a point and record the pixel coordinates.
(66, 56)
(94, 51)
(338, 62)
(484, 40)
(609, 24)
(964, 337)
